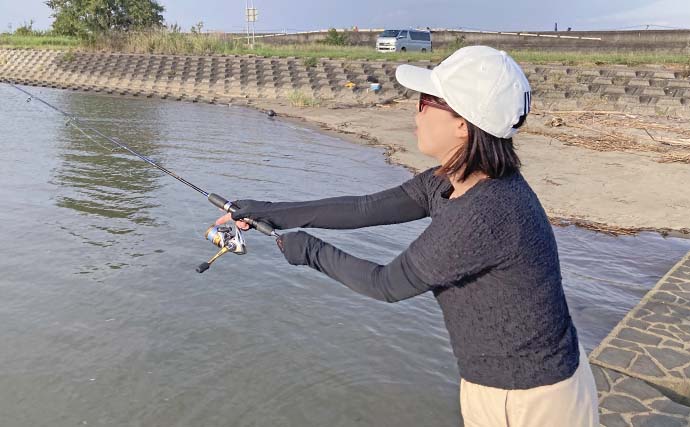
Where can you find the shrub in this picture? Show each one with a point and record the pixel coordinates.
(310, 62)
(26, 29)
(333, 37)
(300, 99)
(69, 57)
(456, 44)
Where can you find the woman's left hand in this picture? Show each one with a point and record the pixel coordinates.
(297, 246)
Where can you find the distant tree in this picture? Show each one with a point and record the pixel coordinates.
(88, 17)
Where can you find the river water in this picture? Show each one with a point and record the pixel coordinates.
(103, 320)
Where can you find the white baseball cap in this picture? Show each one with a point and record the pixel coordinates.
(483, 85)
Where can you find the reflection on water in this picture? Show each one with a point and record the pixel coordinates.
(99, 178)
(104, 321)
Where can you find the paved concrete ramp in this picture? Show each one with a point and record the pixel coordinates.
(643, 367)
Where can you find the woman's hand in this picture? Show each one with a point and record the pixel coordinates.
(297, 247)
(253, 209)
(228, 217)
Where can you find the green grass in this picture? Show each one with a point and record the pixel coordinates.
(300, 99)
(41, 42)
(344, 52)
(201, 44)
(604, 58)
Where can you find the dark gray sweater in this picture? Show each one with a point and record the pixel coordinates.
(489, 257)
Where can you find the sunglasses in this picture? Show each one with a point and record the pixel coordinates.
(433, 101)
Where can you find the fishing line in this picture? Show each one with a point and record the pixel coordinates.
(69, 122)
(74, 121)
(227, 238)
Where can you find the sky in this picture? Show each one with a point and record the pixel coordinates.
(302, 15)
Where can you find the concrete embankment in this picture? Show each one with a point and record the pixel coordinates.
(641, 90)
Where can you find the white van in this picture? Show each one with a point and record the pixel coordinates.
(404, 41)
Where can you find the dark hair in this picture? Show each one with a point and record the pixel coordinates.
(494, 156)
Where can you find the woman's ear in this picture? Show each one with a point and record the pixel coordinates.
(461, 130)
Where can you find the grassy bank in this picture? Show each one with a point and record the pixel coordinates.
(39, 42)
(603, 58)
(201, 44)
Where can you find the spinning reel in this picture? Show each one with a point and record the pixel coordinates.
(228, 239)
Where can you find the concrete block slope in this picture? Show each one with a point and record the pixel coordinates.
(217, 77)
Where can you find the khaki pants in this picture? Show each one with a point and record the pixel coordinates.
(572, 402)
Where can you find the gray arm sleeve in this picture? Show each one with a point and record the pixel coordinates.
(393, 282)
(443, 255)
(391, 206)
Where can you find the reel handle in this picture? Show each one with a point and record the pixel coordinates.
(228, 206)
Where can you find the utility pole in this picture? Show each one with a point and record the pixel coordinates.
(246, 11)
(253, 25)
(251, 15)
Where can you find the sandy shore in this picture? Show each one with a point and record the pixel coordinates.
(613, 172)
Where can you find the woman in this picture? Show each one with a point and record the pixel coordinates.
(489, 254)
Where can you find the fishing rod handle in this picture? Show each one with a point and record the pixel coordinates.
(228, 206)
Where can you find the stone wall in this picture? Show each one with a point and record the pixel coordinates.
(222, 78)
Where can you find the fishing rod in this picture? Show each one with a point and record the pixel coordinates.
(227, 238)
